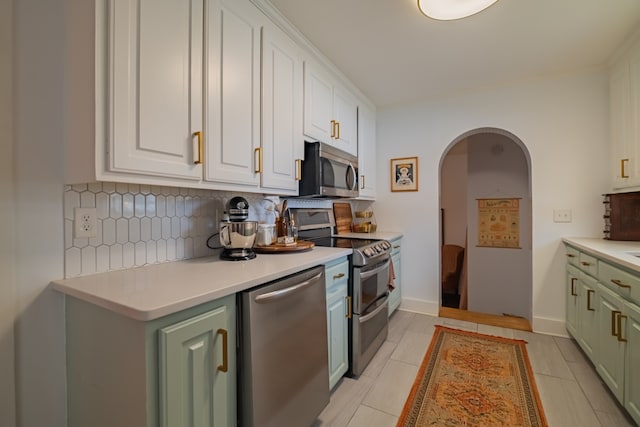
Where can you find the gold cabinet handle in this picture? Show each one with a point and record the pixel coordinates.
(333, 128)
(622, 171)
(571, 255)
(338, 276)
(614, 313)
(338, 133)
(586, 264)
(349, 311)
(589, 291)
(225, 353)
(258, 160)
(362, 186)
(298, 169)
(619, 283)
(620, 339)
(573, 289)
(198, 161)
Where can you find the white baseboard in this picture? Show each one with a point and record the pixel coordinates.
(546, 326)
(414, 305)
(539, 325)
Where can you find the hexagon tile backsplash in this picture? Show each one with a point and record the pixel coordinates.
(145, 224)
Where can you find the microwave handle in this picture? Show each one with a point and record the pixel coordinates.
(354, 182)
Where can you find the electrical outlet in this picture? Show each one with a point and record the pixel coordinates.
(562, 215)
(85, 222)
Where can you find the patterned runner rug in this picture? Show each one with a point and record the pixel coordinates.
(471, 379)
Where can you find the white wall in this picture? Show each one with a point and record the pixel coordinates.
(499, 279)
(39, 92)
(563, 122)
(7, 220)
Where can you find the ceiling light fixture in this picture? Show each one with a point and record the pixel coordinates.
(447, 10)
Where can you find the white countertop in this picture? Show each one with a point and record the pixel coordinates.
(616, 251)
(149, 292)
(384, 235)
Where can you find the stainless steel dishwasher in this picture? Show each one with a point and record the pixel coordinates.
(284, 374)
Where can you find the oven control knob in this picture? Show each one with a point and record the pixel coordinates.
(367, 252)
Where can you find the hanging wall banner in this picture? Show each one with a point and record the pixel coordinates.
(499, 223)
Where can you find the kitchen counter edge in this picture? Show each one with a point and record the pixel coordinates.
(616, 251)
(153, 291)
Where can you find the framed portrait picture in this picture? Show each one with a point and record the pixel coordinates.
(404, 174)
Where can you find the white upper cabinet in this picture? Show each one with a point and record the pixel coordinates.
(330, 112)
(154, 102)
(232, 100)
(194, 93)
(367, 152)
(624, 94)
(282, 139)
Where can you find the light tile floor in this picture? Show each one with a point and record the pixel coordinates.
(570, 389)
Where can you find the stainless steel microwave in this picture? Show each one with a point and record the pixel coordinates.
(328, 172)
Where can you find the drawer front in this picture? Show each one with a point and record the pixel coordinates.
(335, 274)
(573, 255)
(620, 281)
(588, 264)
(573, 271)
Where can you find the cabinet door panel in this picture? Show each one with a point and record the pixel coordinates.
(572, 300)
(619, 110)
(232, 101)
(194, 392)
(337, 327)
(632, 362)
(282, 140)
(345, 111)
(155, 96)
(610, 362)
(367, 152)
(396, 294)
(318, 108)
(587, 316)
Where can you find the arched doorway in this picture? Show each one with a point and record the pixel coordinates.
(480, 168)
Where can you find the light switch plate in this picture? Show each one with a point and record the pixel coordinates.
(562, 215)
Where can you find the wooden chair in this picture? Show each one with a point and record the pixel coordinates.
(452, 261)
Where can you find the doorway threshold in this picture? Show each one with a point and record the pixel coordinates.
(506, 321)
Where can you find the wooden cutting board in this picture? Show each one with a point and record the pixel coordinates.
(301, 245)
(343, 216)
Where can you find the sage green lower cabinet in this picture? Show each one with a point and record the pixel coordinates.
(197, 370)
(573, 275)
(587, 315)
(603, 315)
(395, 295)
(610, 362)
(164, 372)
(338, 312)
(632, 361)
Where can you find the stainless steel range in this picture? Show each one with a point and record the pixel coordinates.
(368, 283)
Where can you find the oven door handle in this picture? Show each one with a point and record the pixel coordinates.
(281, 293)
(383, 306)
(375, 271)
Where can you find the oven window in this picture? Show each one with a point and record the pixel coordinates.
(372, 286)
